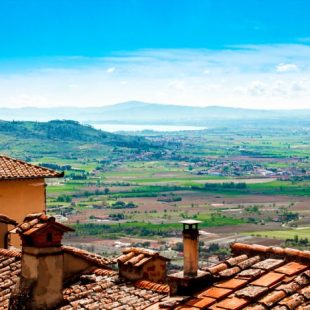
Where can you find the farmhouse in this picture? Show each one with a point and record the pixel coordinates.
(22, 189)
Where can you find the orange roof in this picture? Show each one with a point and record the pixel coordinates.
(37, 221)
(258, 278)
(11, 169)
(137, 257)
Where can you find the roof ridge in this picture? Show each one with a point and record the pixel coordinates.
(88, 256)
(11, 172)
(279, 251)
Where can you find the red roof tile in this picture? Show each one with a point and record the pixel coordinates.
(137, 257)
(11, 168)
(201, 303)
(292, 268)
(232, 284)
(268, 279)
(259, 278)
(37, 221)
(214, 292)
(233, 303)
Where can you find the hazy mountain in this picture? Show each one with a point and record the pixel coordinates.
(134, 112)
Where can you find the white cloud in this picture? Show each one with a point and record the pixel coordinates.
(240, 76)
(257, 88)
(110, 70)
(287, 68)
(177, 84)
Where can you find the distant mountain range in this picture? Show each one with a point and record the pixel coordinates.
(134, 112)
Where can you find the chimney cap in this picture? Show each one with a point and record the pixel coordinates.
(190, 222)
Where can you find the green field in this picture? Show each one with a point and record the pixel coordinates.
(283, 234)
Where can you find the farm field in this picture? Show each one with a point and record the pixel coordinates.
(242, 183)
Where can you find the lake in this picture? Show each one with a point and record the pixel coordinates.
(130, 127)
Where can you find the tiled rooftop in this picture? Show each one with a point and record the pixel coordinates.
(9, 274)
(100, 291)
(92, 258)
(255, 277)
(36, 221)
(11, 168)
(259, 278)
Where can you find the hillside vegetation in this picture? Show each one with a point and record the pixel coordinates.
(62, 138)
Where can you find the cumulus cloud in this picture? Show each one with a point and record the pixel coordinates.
(287, 67)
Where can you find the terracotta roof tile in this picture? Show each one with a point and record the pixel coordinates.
(232, 284)
(292, 268)
(146, 284)
(201, 303)
(249, 262)
(214, 292)
(289, 288)
(217, 268)
(272, 298)
(137, 257)
(10, 266)
(229, 272)
(268, 279)
(233, 303)
(36, 221)
(251, 292)
(11, 168)
(269, 264)
(233, 261)
(306, 292)
(255, 307)
(292, 301)
(250, 273)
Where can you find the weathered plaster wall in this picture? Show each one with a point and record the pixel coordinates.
(44, 268)
(74, 265)
(154, 270)
(21, 197)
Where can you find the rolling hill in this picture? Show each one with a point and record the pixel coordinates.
(63, 139)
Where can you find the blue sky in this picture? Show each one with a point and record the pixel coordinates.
(247, 53)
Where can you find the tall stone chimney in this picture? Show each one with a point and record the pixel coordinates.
(190, 247)
(191, 278)
(42, 266)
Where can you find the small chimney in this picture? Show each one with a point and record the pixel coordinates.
(190, 247)
(191, 278)
(42, 270)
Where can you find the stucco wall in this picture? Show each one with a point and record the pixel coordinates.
(154, 270)
(43, 268)
(21, 197)
(74, 265)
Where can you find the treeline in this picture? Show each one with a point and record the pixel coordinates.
(222, 186)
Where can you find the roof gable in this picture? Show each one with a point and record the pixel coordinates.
(12, 169)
